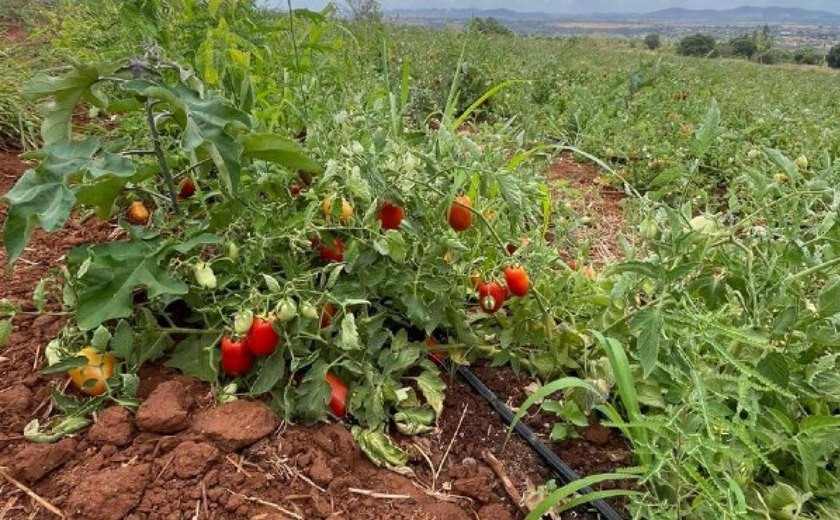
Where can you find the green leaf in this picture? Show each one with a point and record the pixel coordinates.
(270, 373)
(379, 448)
(66, 91)
(122, 343)
(563, 493)
(705, 136)
(64, 365)
(115, 271)
(828, 302)
(348, 335)
(39, 295)
(197, 356)
(648, 269)
(5, 332)
(649, 324)
(313, 393)
(101, 337)
(433, 389)
(543, 392)
(276, 149)
(782, 161)
(397, 248)
(415, 420)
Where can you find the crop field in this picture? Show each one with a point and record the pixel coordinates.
(253, 260)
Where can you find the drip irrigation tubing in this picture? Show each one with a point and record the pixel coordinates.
(528, 435)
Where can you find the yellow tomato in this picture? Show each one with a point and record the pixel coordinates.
(346, 209)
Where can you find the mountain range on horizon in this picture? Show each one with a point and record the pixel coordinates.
(747, 14)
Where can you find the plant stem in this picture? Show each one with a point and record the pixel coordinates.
(189, 169)
(164, 168)
(297, 55)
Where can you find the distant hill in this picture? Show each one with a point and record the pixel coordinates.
(746, 14)
(772, 15)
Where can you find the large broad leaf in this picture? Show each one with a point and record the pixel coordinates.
(70, 172)
(197, 357)
(115, 271)
(649, 324)
(66, 91)
(276, 149)
(433, 389)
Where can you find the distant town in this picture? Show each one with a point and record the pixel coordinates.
(790, 27)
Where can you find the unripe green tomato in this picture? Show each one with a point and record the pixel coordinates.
(233, 251)
(242, 322)
(649, 230)
(308, 311)
(802, 162)
(204, 275)
(286, 311)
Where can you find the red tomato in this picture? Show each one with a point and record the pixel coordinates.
(187, 188)
(334, 253)
(435, 356)
(295, 190)
(262, 339)
(390, 216)
(236, 358)
(517, 281)
(460, 216)
(491, 297)
(338, 395)
(327, 314)
(511, 248)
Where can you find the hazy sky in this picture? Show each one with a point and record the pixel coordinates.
(584, 6)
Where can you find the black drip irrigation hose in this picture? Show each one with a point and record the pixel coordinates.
(528, 435)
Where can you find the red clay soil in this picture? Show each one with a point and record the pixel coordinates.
(594, 199)
(183, 456)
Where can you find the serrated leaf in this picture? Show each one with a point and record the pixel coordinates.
(272, 283)
(122, 343)
(116, 270)
(64, 365)
(828, 302)
(39, 295)
(101, 337)
(197, 356)
(276, 149)
(379, 448)
(66, 91)
(415, 420)
(313, 393)
(270, 373)
(348, 335)
(649, 324)
(397, 248)
(433, 389)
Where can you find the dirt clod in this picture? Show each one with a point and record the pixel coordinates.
(193, 459)
(166, 410)
(494, 512)
(16, 398)
(113, 426)
(235, 425)
(37, 460)
(109, 494)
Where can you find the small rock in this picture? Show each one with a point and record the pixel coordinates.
(478, 487)
(113, 426)
(16, 398)
(237, 424)
(320, 471)
(37, 460)
(444, 511)
(494, 512)
(192, 459)
(322, 506)
(234, 501)
(108, 495)
(597, 434)
(166, 409)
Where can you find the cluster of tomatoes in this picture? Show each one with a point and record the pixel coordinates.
(138, 214)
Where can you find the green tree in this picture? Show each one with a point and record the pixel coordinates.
(833, 58)
(807, 56)
(700, 45)
(744, 46)
(489, 26)
(653, 42)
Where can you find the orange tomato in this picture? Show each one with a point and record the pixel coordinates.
(99, 368)
(138, 214)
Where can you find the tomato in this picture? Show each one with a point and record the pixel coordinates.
(286, 311)
(460, 216)
(187, 188)
(338, 395)
(346, 209)
(491, 297)
(236, 358)
(138, 214)
(262, 339)
(511, 248)
(327, 314)
(434, 356)
(295, 190)
(390, 216)
(475, 280)
(99, 368)
(589, 272)
(573, 265)
(334, 253)
(517, 281)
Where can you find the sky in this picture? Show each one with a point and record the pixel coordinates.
(585, 6)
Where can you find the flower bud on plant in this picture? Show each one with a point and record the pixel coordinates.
(802, 162)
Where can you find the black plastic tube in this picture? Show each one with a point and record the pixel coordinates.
(528, 435)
